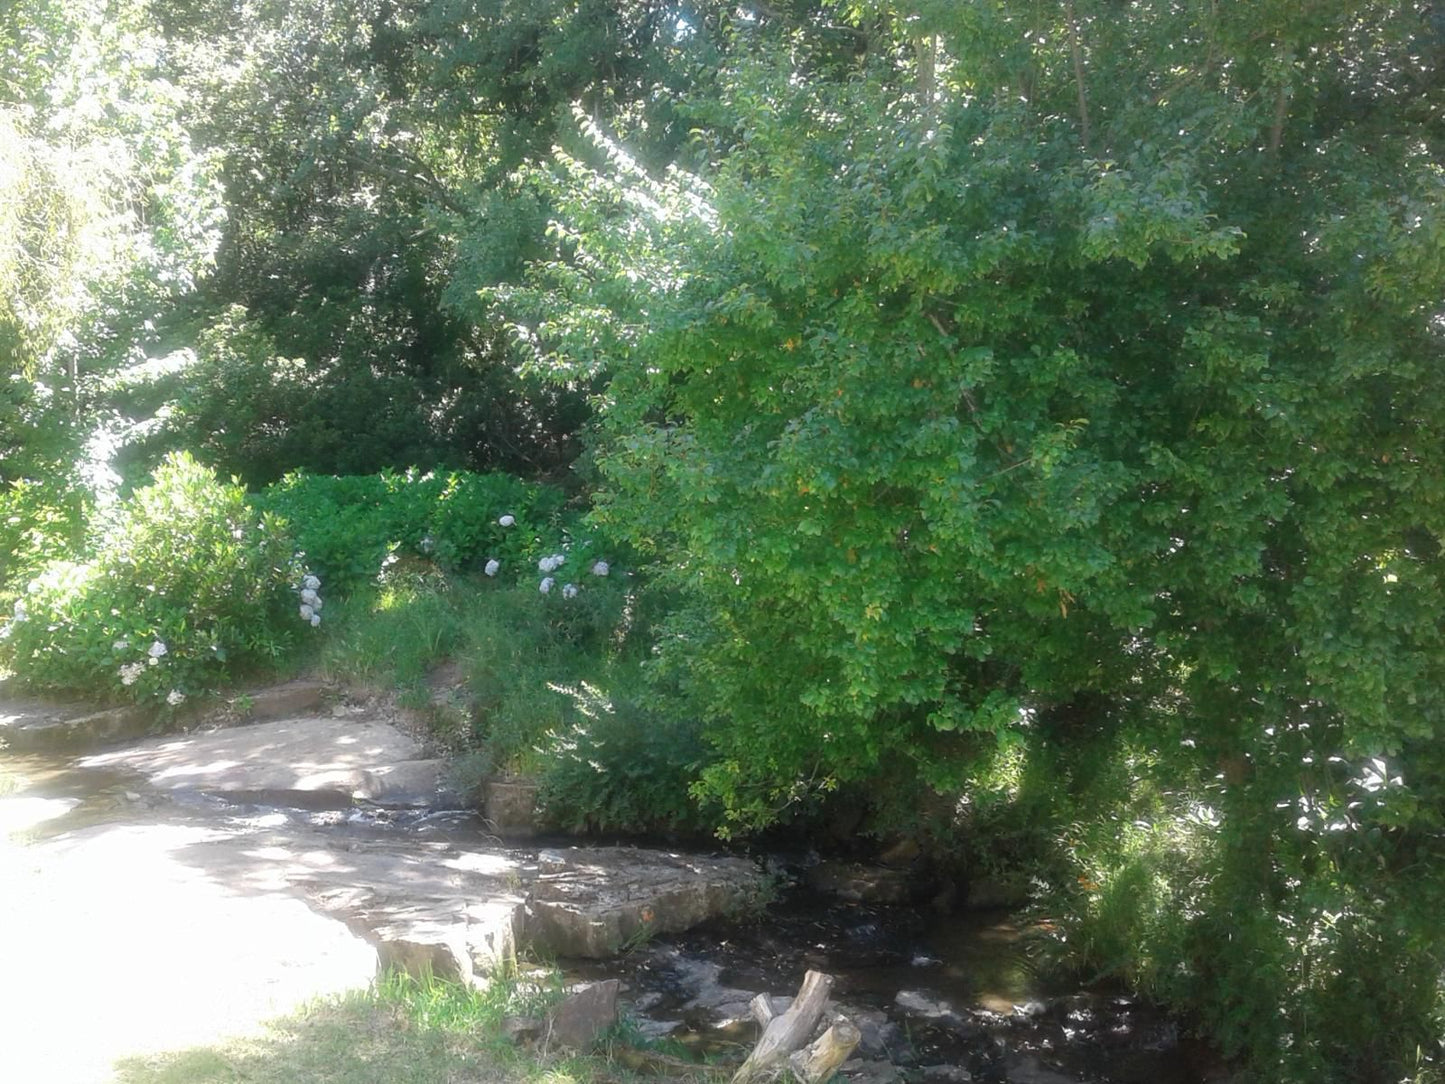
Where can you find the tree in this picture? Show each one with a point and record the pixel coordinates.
(1068, 384)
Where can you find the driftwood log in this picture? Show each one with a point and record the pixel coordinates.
(828, 1051)
(784, 1037)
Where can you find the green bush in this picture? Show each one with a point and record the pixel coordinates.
(186, 585)
(347, 526)
(524, 650)
(619, 767)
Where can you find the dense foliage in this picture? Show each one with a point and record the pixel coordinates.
(1073, 401)
(1022, 421)
(185, 587)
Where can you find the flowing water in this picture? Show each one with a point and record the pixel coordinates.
(928, 990)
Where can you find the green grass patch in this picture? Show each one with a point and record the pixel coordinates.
(402, 1031)
(555, 688)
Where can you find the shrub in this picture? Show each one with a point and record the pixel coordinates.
(186, 584)
(619, 767)
(347, 526)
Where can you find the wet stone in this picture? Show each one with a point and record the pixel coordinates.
(584, 1015)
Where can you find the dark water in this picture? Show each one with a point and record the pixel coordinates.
(928, 990)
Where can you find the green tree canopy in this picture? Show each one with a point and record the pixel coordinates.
(1064, 381)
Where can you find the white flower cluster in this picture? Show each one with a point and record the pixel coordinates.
(555, 561)
(493, 567)
(175, 697)
(507, 521)
(311, 601)
(130, 672)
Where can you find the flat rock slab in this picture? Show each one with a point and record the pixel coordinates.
(457, 911)
(37, 726)
(315, 762)
(593, 901)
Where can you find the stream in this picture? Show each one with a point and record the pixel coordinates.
(938, 997)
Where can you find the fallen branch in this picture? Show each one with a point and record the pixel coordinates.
(828, 1051)
(787, 1033)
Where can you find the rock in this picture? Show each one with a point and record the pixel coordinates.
(584, 1015)
(699, 981)
(944, 1074)
(36, 726)
(416, 894)
(423, 946)
(913, 1003)
(657, 1029)
(877, 1034)
(598, 898)
(510, 807)
(283, 701)
(416, 784)
(313, 762)
(861, 882)
(494, 930)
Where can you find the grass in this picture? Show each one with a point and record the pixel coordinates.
(402, 1031)
(522, 653)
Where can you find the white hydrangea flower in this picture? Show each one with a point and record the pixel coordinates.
(121, 645)
(546, 585)
(318, 605)
(307, 613)
(174, 697)
(601, 568)
(315, 620)
(157, 649)
(311, 583)
(493, 567)
(131, 671)
(546, 564)
(507, 521)
(309, 596)
(569, 590)
(153, 661)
